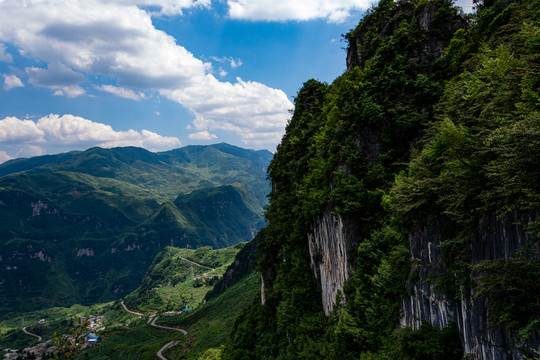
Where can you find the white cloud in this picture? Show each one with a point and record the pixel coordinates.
(165, 7)
(11, 82)
(75, 130)
(116, 39)
(281, 10)
(13, 130)
(4, 157)
(244, 107)
(5, 56)
(122, 92)
(236, 62)
(202, 135)
(29, 151)
(57, 77)
(222, 72)
(69, 131)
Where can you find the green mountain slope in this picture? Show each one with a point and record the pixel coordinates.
(91, 222)
(163, 175)
(180, 278)
(209, 326)
(400, 192)
(225, 212)
(177, 278)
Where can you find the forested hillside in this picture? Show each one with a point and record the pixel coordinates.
(403, 216)
(177, 279)
(83, 227)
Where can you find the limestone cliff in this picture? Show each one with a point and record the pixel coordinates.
(429, 122)
(495, 238)
(333, 239)
(331, 245)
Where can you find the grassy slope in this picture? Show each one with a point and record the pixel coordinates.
(168, 285)
(209, 326)
(129, 336)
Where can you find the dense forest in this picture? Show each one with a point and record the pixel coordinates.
(402, 221)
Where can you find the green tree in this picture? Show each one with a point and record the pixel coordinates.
(68, 345)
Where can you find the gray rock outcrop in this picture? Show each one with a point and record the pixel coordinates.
(330, 245)
(496, 238)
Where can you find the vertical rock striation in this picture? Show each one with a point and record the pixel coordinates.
(495, 238)
(330, 247)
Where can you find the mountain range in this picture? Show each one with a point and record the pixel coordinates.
(83, 227)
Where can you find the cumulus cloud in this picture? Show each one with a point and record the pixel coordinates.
(11, 82)
(245, 107)
(166, 7)
(122, 92)
(75, 130)
(236, 62)
(202, 135)
(13, 131)
(81, 40)
(102, 38)
(4, 55)
(4, 157)
(69, 131)
(29, 151)
(57, 77)
(281, 10)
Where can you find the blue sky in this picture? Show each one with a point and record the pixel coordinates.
(161, 74)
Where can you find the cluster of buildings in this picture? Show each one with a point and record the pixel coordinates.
(46, 350)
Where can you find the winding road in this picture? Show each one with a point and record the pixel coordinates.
(29, 333)
(129, 311)
(194, 263)
(170, 343)
(152, 323)
(166, 346)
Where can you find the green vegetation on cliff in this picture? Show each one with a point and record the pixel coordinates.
(436, 119)
(483, 151)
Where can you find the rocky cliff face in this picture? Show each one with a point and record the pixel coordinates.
(429, 22)
(332, 240)
(495, 239)
(330, 247)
